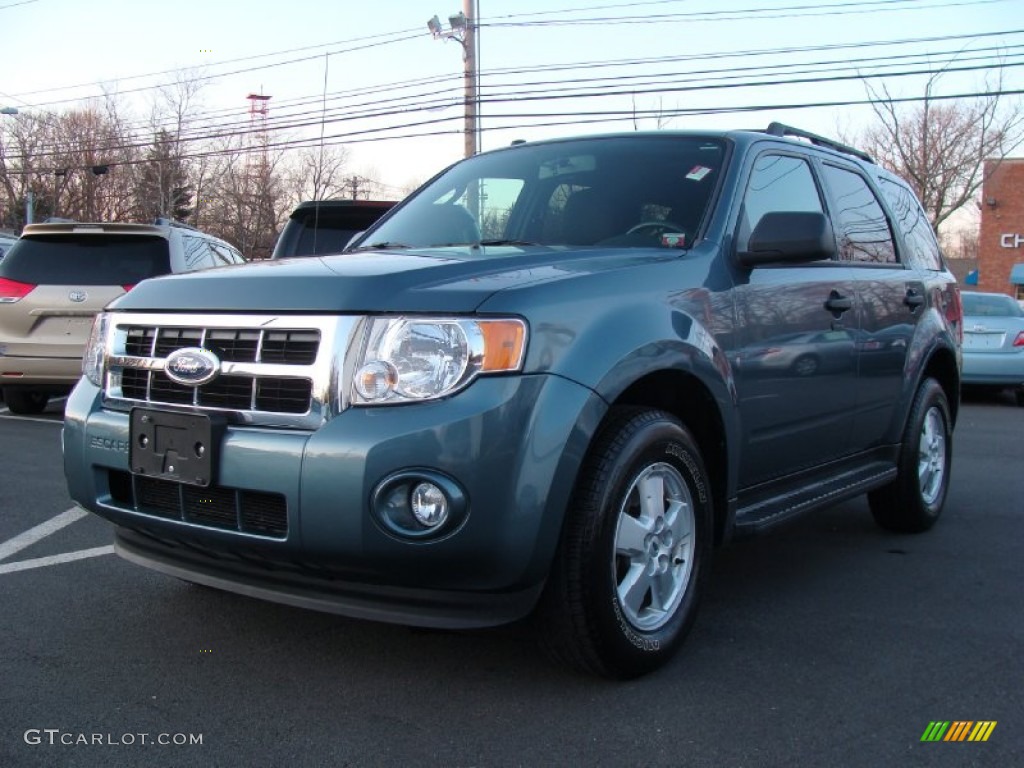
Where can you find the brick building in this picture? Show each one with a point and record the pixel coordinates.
(1001, 244)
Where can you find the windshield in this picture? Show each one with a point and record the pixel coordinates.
(983, 305)
(622, 192)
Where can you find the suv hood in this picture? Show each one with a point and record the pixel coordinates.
(456, 279)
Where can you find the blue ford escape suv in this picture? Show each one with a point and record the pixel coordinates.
(548, 383)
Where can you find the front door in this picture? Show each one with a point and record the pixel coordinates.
(796, 365)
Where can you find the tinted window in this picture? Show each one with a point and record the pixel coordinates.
(197, 253)
(778, 183)
(587, 192)
(923, 250)
(224, 255)
(86, 260)
(323, 239)
(861, 227)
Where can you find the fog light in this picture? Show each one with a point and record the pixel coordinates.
(429, 505)
(419, 505)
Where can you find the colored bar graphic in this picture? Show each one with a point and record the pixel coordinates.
(982, 730)
(935, 731)
(958, 730)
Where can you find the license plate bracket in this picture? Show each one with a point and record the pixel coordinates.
(175, 446)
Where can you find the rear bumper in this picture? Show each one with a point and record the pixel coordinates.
(60, 372)
(994, 369)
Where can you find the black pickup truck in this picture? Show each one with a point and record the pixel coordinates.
(318, 227)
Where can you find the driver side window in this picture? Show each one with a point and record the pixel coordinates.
(778, 183)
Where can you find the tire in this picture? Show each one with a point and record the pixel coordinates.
(1019, 394)
(25, 401)
(625, 585)
(913, 501)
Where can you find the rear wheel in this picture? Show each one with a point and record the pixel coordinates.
(913, 501)
(624, 590)
(25, 401)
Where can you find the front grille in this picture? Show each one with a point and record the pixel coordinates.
(232, 509)
(283, 371)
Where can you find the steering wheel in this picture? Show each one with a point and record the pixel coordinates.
(663, 226)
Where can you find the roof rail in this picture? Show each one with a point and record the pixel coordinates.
(781, 129)
(165, 222)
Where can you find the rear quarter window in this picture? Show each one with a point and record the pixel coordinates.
(922, 248)
(86, 260)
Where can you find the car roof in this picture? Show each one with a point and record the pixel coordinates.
(309, 206)
(775, 130)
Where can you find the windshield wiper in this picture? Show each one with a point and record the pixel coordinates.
(507, 242)
(382, 246)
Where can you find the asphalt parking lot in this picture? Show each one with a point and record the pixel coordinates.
(827, 643)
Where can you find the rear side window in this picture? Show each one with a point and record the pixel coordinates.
(923, 250)
(86, 260)
(861, 226)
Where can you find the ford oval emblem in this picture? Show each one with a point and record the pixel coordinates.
(192, 366)
(78, 296)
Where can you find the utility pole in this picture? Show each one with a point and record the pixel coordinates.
(464, 28)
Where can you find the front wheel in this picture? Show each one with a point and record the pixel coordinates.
(913, 501)
(636, 547)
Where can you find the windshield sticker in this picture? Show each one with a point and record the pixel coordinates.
(673, 240)
(698, 172)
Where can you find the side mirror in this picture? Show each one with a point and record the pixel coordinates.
(789, 237)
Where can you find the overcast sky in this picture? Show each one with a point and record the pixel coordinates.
(382, 59)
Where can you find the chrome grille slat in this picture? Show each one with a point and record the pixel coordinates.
(275, 370)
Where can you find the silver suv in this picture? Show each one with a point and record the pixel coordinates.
(58, 276)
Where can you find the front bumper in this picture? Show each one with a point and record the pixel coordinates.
(512, 444)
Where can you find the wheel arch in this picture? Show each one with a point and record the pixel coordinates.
(942, 366)
(690, 400)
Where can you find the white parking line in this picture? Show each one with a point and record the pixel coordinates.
(67, 557)
(41, 531)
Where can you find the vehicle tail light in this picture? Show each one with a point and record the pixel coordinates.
(956, 316)
(12, 291)
(1019, 341)
(129, 286)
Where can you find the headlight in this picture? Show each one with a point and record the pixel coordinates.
(93, 360)
(407, 359)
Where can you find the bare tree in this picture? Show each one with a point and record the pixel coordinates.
(317, 173)
(940, 146)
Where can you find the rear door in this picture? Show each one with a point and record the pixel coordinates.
(891, 299)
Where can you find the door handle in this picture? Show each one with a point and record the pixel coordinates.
(913, 299)
(837, 303)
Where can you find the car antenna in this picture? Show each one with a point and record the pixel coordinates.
(323, 120)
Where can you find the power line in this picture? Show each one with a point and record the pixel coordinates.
(228, 117)
(584, 115)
